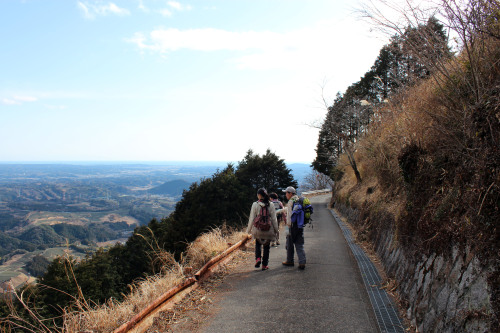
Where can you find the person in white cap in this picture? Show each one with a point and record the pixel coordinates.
(295, 235)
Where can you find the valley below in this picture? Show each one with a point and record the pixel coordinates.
(50, 210)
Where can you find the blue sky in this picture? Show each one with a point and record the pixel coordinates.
(156, 80)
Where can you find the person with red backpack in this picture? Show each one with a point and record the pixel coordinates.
(280, 213)
(263, 226)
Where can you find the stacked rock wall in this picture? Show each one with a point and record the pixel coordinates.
(443, 294)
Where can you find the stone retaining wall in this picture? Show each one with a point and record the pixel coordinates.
(443, 294)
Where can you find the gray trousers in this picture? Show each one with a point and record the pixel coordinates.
(299, 247)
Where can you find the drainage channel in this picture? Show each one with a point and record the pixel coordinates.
(384, 308)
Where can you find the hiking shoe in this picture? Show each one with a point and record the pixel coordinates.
(265, 268)
(257, 263)
(302, 266)
(286, 263)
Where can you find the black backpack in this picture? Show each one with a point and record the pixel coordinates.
(277, 205)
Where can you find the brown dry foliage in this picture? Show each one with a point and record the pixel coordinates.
(109, 316)
(439, 147)
(430, 159)
(432, 156)
(209, 245)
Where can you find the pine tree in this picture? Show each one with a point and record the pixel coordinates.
(268, 171)
(399, 64)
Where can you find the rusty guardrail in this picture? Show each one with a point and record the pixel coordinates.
(169, 294)
(198, 275)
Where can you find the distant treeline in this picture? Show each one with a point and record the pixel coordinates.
(96, 205)
(45, 236)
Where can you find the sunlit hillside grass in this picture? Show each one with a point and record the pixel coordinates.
(109, 316)
(430, 159)
(85, 316)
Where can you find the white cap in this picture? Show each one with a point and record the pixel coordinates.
(290, 189)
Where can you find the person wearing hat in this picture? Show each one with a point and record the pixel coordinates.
(295, 235)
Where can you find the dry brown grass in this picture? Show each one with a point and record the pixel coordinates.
(414, 116)
(432, 151)
(430, 163)
(368, 193)
(109, 316)
(417, 115)
(209, 245)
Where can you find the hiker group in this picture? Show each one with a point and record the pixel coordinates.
(266, 215)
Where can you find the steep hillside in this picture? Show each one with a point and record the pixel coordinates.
(414, 149)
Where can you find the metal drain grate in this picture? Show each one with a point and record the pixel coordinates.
(385, 310)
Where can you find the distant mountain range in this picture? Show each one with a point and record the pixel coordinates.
(174, 188)
(300, 171)
(171, 188)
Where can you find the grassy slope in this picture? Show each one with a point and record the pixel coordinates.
(431, 165)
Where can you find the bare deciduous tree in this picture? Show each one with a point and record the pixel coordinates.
(316, 181)
(467, 22)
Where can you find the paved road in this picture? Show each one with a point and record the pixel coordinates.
(328, 296)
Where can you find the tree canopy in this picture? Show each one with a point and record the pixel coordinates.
(267, 171)
(396, 67)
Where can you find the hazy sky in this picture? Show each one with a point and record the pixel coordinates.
(156, 80)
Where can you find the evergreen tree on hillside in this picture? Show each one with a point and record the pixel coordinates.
(209, 203)
(329, 146)
(37, 266)
(267, 171)
(346, 119)
(327, 151)
(57, 287)
(399, 64)
(99, 276)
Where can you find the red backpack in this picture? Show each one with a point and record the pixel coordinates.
(262, 221)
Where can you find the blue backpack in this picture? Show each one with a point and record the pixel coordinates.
(301, 212)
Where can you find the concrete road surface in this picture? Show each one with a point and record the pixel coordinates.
(328, 296)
